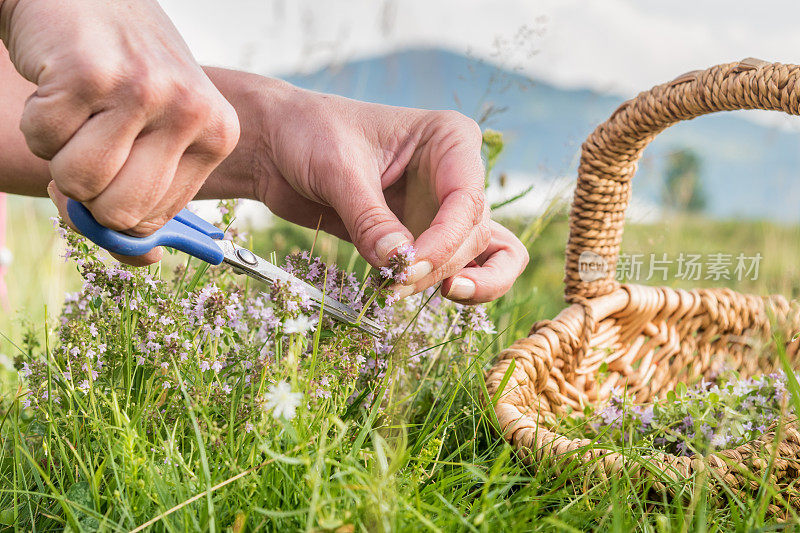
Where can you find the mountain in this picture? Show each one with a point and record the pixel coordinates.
(748, 169)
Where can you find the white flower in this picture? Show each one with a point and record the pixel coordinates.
(6, 257)
(282, 401)
(301, 324)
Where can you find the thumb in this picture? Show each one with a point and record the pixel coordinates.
(374, 230)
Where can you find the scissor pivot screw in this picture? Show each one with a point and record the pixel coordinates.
(247, 256)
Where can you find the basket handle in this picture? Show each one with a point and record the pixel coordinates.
(609, 156)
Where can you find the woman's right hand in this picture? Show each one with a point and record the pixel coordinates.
(128, 120)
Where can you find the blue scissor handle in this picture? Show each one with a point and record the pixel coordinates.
(186, 232)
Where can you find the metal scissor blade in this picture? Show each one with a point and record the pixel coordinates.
(256, 267)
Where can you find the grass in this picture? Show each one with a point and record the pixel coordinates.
(429, 460)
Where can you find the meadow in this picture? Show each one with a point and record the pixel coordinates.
(168, 449)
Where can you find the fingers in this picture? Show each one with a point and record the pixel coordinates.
(138, 187)
(454, 163)
(46, 126)
(373, 228)
(493, 274)
(164, 167)
(469, 250)
(84, 167)
(60, 201)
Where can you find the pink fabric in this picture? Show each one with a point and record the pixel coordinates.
(3, 268)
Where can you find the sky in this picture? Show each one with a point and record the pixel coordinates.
(616, 46)
(622, 46)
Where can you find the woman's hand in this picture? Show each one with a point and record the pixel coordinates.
(129, 122)
(378, 176)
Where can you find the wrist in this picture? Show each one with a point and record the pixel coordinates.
(246, 172)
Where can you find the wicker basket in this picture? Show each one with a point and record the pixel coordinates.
(651, 338)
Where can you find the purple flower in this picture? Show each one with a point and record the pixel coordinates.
(646, 415)
(399, 264)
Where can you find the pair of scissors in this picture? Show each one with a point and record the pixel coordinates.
(197, 237)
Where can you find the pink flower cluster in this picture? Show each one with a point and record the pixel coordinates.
(399, 264)
(127, 332)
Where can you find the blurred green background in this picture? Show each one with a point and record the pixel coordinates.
(39, 276)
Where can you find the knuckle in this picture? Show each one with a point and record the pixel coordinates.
(42, 133)
(208, 114)
(334, 156)
(483, 236)
(337, 155)
(476, 206)
(473, 131)
(82, 190)
(39, 146)
(192, 107)
(91, 79)
(460, 123)
(446, 270)
(84, 176)
(367, 221)
(451, 239)
(144, 93)
(225, 130)
(449, 116)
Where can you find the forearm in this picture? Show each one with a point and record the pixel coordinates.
(21, 172)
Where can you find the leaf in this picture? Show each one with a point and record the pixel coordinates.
(355, 405)
(502, 203)
(503, 382)
(79, 495)
(7, 517)
(491, 148)
(681, 389)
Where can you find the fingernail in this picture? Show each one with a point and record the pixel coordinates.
(418, 271)
(461, 289)
(404, 291)
(388, 244)
(51, 191)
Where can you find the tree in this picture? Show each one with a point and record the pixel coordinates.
(683, 189)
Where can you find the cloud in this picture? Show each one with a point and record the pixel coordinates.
(621, 46)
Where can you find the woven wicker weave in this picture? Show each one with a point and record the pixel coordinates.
(651, 338)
